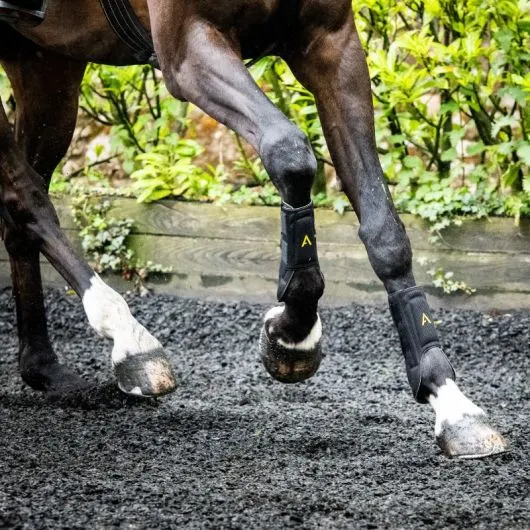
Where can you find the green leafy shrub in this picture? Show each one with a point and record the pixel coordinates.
(168, 170)
(104, 240)
(135, 104)
(451, 81)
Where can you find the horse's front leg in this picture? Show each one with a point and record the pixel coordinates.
(332, 64)
(208, 71)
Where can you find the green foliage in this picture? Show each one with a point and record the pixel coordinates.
(5, 87)
(168, 170)
(261, 195)
(445, 281)
(134, 102)
(451, 81)
(104, 240)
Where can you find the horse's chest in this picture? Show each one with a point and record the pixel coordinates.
(242, 13)
(258, 11)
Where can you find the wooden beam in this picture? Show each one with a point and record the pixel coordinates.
(232, 251)
(262, 223)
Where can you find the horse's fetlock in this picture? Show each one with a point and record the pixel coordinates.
(435, 370)
(306, 286)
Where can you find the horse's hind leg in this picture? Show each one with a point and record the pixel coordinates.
(46, 92)
(335, 69)
(47, 89)
(211, 75)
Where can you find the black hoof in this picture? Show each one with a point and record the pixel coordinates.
(54, 379)
(145, 375)
(471, 437)
(289, 365)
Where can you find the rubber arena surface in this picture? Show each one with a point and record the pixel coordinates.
(233, 449)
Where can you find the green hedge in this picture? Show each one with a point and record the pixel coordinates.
(451, 81)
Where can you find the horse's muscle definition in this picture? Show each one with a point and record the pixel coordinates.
(200, 47)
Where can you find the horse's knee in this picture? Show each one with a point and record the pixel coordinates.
(289, 160)
(28, 215)
(387, 244)
(306, 286)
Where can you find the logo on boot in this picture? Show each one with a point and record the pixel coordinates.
(425, 319)
(307, 242)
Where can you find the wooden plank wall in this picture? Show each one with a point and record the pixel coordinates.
(233, 252)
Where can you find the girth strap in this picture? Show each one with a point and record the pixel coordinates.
(127, 26)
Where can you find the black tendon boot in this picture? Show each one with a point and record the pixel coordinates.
(427, 366)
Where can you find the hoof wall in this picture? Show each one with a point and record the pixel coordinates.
(471, 437)
(289, 365)
(145, 375)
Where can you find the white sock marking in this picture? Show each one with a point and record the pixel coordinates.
(274, 312)
(308, 343)
(450, 405)
(109, 315)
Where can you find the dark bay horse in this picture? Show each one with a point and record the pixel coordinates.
(200, 46)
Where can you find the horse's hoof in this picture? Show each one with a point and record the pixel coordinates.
(145, 375)
(470, 437)
(55, 379)
(289, 365)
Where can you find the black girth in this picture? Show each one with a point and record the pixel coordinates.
(127, 26)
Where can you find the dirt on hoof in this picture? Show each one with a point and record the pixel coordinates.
(232, 448)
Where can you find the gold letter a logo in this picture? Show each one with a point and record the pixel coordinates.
(425, 320)
(306, 242)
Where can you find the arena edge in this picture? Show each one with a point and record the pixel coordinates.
(232, 252)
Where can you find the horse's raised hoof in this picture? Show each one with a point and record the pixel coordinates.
(54, 378)
(289, 365)
(145, 375)
(470, 437)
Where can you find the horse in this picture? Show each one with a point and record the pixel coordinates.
(201, 46)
